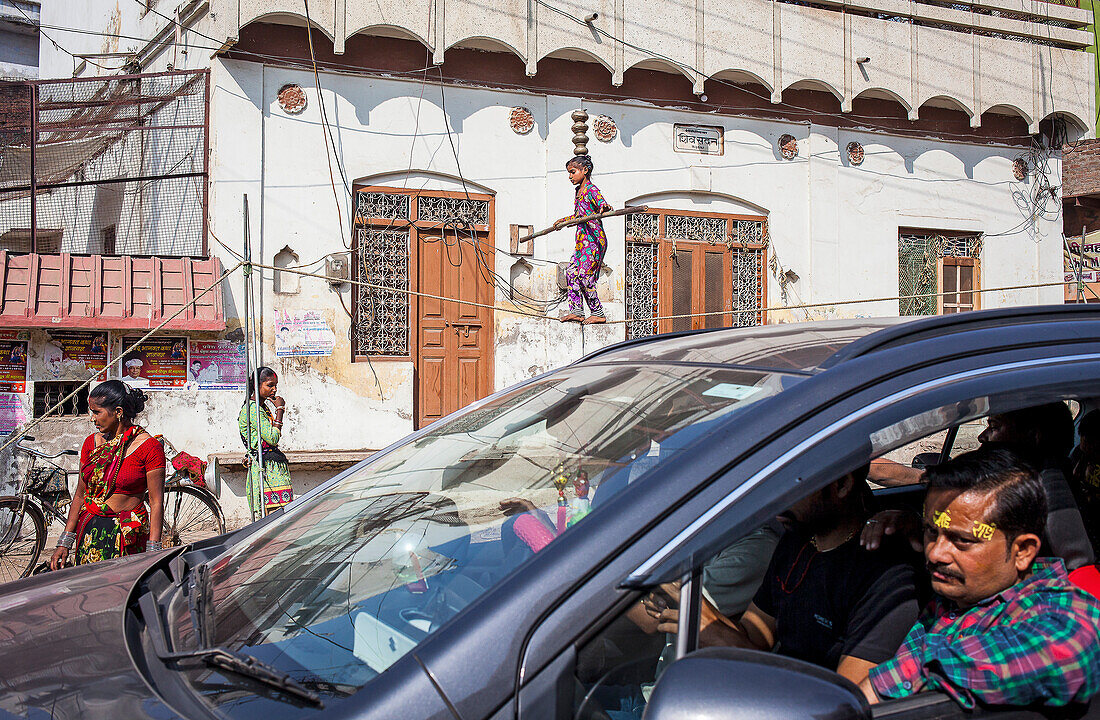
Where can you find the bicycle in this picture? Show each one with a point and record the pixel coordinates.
(191, 511)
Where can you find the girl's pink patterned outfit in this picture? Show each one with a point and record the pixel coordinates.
(584, 268)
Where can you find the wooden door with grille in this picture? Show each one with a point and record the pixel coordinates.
(692, 270)
(454, 340)
(699, 291)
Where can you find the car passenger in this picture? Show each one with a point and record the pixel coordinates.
(1085, 475)
(1005, 628)
(1044, 435)
(824, 598)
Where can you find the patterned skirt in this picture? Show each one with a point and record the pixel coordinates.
(102, 533)
(274, 492)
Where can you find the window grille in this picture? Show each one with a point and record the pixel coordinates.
(49, 393)
(445, 210)
(748, 296)
(641, 288)
(382, 313)
(642, 225)
(691, 227)
(748, 232)
(919, 261)
(389, 206)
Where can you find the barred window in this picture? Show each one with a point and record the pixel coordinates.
(48, 393)
(938, 272)
(693, 270)
(381, 319)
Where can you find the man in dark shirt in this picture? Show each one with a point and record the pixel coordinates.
(824, 598)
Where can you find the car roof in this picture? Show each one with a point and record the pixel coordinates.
(808, 347)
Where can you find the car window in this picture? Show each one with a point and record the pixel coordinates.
(355, 577)
(617, 668)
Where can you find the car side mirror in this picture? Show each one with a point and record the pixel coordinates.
(922, 461)
(730, 683)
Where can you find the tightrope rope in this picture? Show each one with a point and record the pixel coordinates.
(803, 306)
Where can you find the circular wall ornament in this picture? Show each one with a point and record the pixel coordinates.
(788, 146)
(292, 99)
(855, 153)
(1019, 168)
(521, 120)
(605, 128)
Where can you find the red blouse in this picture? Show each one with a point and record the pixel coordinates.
(132, 476)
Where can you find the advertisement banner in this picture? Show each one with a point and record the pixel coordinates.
(303, 334)
(216, 365)
(159, 363)
(1081, 262)
(13, 366)
(11, 413)
(75, 354)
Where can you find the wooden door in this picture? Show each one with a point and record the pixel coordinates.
(694, 280)
(454, 340)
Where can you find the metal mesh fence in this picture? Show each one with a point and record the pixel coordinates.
(111, 166)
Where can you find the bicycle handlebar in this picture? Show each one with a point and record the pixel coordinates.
(38, 453)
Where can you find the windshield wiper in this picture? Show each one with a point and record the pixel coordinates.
(222, 658)
(198, 599)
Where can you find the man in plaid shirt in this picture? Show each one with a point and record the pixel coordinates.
(1005, 628)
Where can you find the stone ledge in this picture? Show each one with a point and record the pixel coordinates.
(299, 459)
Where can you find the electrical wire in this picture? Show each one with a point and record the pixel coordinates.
(833, 303)
(325, 132)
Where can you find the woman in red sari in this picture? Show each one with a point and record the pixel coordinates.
(119, 464)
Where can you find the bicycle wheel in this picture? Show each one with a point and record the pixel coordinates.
(22, 537)
(190, 515)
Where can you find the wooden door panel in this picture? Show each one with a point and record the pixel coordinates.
(469, 381)
(454, 355)
(431, 372)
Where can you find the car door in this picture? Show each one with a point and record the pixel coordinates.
(843, 433)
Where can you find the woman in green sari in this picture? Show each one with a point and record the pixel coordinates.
(261, 426)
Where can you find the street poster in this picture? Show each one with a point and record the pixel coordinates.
(303, 334)
(216, 365)
(12, 414)
(75, 353)
(1081, 263)
(159, 363)
(13, 366)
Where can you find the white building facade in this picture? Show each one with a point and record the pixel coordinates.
(799, 161)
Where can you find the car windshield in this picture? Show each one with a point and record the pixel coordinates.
(355, 577)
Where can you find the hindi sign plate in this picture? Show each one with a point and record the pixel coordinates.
(699, 139)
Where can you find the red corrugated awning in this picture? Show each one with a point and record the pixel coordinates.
(108, 293)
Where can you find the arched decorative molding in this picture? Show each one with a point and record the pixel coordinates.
(814, 84)
(952, 103)
(881, 93)
(1007, 109)
(286, 283)
(739, 75)
(702, 201)
(569, 53)
(419, 179)
(481, 42)
(1074, 120)
(390, 31)
(659, 65)
(291, 18)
